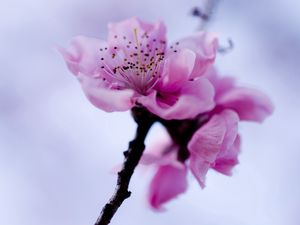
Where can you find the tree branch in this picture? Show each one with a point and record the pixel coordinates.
(144, 121)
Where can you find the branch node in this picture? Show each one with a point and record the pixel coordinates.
(125, 153)
(128, 194)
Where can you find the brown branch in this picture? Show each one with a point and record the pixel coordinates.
(144, 121)
(180, 131)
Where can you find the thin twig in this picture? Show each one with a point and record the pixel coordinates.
(226, 49)
(132, 158)
(206, 12)
(205, 15)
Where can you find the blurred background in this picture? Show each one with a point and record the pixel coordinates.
(57, 150)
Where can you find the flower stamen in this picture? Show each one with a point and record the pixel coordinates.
(137, 45)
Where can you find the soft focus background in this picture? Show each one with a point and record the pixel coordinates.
(57, 151)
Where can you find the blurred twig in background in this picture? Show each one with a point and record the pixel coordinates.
(206, 12)
(225, 49)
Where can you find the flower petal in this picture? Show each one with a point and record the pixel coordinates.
(104, 98)
(221, 84)
(250, 104)
(82, 56)
(168, 182)
(205, 46)
(155, 154)
(211, 142)
(177, 69)
(207, 141)
(231, 119)
(133, 30)
(228, 159)
(194, 98)
(199, 168)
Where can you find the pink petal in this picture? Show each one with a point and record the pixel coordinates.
(148, 159)
(177, 70)
(195, 97)
(163, 152)
(155, 153)
(250, 104)
(123, 33)
(228, 159)
(82, 56)
(212, 141)
(205, 46)
(168, 182)
(221, 84)
(199, 168)
(104, 98)
(207, 141)
(231, 119)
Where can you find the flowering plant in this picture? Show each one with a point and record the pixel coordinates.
(175, 85)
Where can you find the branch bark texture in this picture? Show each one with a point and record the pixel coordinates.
(132, 156)
(180, 131)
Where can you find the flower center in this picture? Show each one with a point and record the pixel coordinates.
(133, 62)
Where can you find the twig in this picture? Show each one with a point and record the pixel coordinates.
(206, 12)
(180, 131)
(132, 156)
(226, 49)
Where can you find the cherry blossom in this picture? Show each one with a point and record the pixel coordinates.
(135, 67)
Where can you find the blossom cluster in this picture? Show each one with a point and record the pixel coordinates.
(136, 68)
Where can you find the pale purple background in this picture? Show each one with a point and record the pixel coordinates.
(57, 150)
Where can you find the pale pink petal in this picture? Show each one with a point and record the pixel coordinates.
(133, 31)
(207, 140)
(222, 84)
(199, 168)
(177, 70)
(194, 98)
(205, 46)
(212, 75)
(168, 182)
(228, 159)
(210, 141)
(231, 119)
(104, 98)
(163, 152)
(155, 153)
(250, 104)
(83, 55)
(149, 159)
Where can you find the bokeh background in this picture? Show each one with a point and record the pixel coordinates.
(57, 151)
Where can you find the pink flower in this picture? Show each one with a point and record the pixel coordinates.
(135, 67)
(215, 144)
